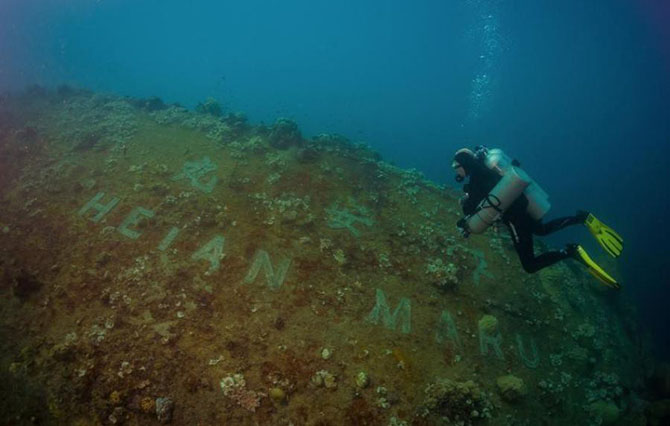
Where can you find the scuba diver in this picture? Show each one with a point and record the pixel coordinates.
(500, 191)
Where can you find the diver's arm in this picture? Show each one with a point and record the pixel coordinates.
(463, 199)
(468, 204)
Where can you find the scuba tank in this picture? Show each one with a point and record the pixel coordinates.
(515, 181)
(538, 200)
(508, 189)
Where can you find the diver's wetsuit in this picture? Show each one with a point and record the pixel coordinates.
(520, 223)
(522, 227)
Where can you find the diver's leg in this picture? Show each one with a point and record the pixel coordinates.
(523, 244)
(548, 259)
(522, 238)
(560, 223)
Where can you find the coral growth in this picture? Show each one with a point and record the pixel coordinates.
(462, 402)
(209, 106)
(511, 388)
(235, 388)
(442, 274)
(284, 134)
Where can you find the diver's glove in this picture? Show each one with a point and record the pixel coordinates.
(462, 226)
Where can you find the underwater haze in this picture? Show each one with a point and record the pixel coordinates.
(577, 91)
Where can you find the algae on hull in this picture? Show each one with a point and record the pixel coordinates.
(225, 246)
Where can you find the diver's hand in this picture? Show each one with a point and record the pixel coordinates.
(462, 226)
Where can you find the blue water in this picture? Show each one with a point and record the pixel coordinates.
(578, 91)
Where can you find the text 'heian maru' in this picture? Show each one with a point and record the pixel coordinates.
(397, 320)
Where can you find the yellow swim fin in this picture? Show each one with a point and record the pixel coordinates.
(606, 237)
(595, 269)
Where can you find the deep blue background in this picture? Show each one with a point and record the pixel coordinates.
(579, 90)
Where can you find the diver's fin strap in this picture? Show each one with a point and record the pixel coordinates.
(589, 220)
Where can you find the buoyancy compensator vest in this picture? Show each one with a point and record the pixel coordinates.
(514, 182)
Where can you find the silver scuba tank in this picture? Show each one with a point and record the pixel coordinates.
(538, 200)
(508, 189)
